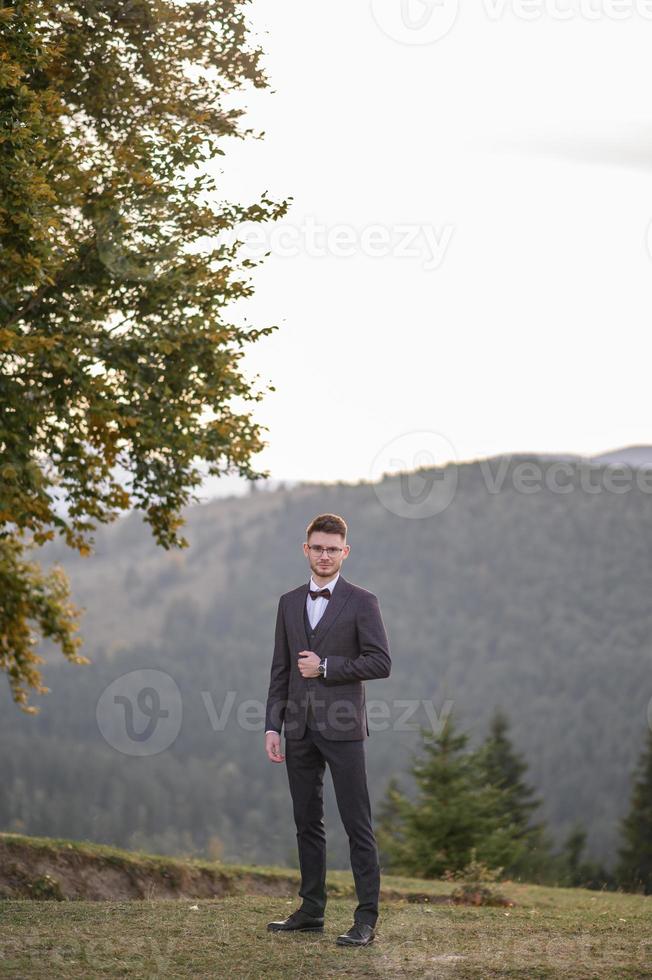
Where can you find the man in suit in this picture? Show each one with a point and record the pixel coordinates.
(330, 638)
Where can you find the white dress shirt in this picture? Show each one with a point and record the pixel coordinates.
(316, 609)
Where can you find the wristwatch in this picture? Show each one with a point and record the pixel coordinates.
(322, 667)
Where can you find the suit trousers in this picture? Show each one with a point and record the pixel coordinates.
(305, 761)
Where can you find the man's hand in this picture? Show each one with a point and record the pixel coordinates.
(308, 663)
(273, 747)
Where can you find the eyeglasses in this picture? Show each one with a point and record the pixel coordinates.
(317, 550)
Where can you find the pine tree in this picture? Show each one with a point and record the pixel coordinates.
(455, 811)
(504, 769)
(574, 871)
(572, 852)
(635, 855)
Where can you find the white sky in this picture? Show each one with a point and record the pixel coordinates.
(524, 147)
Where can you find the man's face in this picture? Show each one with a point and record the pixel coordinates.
(325, 565)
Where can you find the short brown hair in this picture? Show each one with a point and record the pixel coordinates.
(329, 524)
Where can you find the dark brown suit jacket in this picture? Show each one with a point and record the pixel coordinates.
(351, 634)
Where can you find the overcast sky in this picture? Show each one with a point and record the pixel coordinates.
(465, 269)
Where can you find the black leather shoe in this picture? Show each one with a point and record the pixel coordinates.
(298, 922)
(360, 934)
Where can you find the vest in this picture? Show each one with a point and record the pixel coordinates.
(310, 632)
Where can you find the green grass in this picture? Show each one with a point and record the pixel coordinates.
(563, 933)
(548, 932)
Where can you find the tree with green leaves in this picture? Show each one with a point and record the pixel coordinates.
(504, 768)
(119, 364)
(634, 871)
(455, 811)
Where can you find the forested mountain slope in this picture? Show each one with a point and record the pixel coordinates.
(537, 601)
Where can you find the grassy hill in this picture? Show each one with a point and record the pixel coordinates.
(546, 932)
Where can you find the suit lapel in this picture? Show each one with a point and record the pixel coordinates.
(297, 612)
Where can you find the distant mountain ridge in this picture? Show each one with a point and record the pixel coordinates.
(636, 456)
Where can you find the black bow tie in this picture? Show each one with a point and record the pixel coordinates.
(323, 593)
